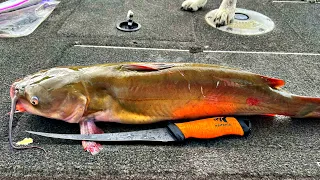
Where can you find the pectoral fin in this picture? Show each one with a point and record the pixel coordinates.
(89, 127)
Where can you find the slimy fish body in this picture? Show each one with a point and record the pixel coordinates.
(141, 93)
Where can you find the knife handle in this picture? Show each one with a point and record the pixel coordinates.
(210, 128)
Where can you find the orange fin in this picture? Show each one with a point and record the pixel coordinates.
(311, 107)
(269, 115)
(147, 66)
(273, 82)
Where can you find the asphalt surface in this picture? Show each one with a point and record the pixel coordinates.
(278, 147)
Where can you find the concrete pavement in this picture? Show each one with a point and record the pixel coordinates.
(278, 147)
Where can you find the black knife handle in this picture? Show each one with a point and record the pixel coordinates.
(176, 132)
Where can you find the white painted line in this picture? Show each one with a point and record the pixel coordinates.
(297, 2)
(262, 52)
(205, 51)
(132, 48)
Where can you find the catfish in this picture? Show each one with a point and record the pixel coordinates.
(143, 93)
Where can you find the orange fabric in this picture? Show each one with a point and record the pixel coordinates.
(211, 127)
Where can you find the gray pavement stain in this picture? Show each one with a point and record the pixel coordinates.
(277, 148)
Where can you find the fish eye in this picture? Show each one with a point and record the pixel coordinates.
(34, 100)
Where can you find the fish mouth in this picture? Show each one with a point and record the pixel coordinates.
(20, 107)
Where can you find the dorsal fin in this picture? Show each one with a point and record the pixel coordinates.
(273, 82)
(147, 66)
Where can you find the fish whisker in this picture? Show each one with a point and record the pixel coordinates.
(13, 110)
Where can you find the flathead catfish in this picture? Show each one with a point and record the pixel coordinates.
(141, 93)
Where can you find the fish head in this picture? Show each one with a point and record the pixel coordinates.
(55, 94)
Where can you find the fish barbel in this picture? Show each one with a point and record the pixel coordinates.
(141, 93)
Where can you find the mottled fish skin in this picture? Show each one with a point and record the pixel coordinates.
(141, 93)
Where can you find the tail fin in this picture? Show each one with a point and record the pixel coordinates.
(311, 107)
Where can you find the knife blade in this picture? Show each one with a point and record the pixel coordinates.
(202, 129)
(159, 134)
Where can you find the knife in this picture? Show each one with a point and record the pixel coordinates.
(203, 129)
